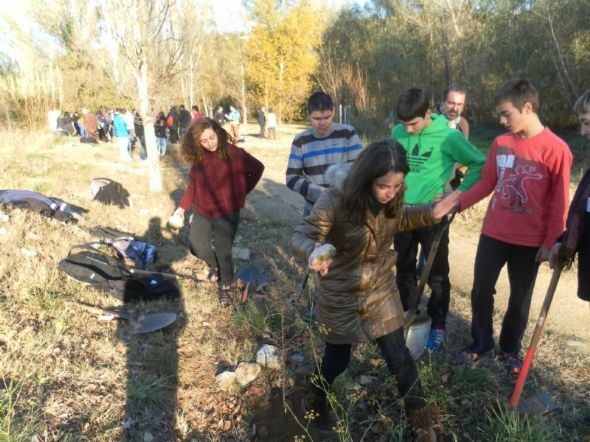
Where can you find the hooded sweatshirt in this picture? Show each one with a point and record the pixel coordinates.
(432, 155)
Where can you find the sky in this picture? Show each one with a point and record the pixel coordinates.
(230, 16)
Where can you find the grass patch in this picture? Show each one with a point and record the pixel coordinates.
(509, 426)
(145, 391)
(20, 418)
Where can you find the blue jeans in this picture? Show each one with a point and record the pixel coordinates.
(161, 144)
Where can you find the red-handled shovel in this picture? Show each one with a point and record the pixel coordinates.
(516, 393)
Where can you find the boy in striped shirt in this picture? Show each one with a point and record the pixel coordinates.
(317, 148)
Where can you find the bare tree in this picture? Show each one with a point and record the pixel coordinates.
(148, 48)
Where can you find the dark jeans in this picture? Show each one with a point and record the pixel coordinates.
(491, 256)
(396, 355)
(221, 232)
(406, 245)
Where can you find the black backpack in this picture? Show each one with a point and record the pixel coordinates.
(105, 274)
(148, 288)
(90, 266)
(109, 192)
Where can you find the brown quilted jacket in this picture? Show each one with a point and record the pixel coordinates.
(359, 299)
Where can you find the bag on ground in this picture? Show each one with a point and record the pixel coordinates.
(105, 274)
(90, 267)
(109, 192)
(44, 205)
(127, 247)
(147, 288)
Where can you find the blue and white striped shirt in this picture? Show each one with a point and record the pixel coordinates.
(311, 155)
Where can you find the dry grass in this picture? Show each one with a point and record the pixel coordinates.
(67, 376)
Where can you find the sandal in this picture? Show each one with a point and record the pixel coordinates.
(468, 356)
(225, 295)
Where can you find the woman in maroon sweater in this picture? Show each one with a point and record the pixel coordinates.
(220, 178)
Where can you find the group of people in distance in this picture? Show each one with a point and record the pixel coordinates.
(398, 192)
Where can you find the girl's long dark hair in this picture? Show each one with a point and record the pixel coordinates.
(191, 149)
(376, 160)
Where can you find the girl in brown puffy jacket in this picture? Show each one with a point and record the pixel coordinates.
(359, 300)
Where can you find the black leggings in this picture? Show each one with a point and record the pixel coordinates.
(396, 355)
(221, 231)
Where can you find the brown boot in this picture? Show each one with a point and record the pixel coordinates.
(423, 421)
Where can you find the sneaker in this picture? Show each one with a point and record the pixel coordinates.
(512, 362)
(468, 356)
(435, 339)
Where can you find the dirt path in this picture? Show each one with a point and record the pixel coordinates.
(568, 315)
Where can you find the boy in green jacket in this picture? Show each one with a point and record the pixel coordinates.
(432, 149)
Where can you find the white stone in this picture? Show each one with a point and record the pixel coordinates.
(28, 252)
(269, 356)
(365, 380)
(247, 372)
(240, 253)
(225, 380)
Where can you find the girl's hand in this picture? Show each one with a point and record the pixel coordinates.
(177, 219)
(322, 268)
(178, 212)
(448, 204)
(321, 258)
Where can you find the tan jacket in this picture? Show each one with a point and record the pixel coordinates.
(359, 299)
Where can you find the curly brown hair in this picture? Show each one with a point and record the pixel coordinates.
(375, 161)
(191, 148)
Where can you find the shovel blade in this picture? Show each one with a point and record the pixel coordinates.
(152, 322)
(417, 335)
(539, 404)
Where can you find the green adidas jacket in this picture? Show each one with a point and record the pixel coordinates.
(432, 156)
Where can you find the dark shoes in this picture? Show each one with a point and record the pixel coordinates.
(512, 362)
(317, 410)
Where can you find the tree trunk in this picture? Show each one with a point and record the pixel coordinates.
(155, 178)
(244, 107)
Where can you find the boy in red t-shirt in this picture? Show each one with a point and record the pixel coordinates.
(528, 171)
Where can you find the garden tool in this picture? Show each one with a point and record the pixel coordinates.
(418, 325)
(518, 387)
(142, 324)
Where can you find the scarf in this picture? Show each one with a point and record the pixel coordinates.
(575, 221)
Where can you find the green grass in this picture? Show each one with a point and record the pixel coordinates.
(146, 391)
(20, 417)
(510, 426)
